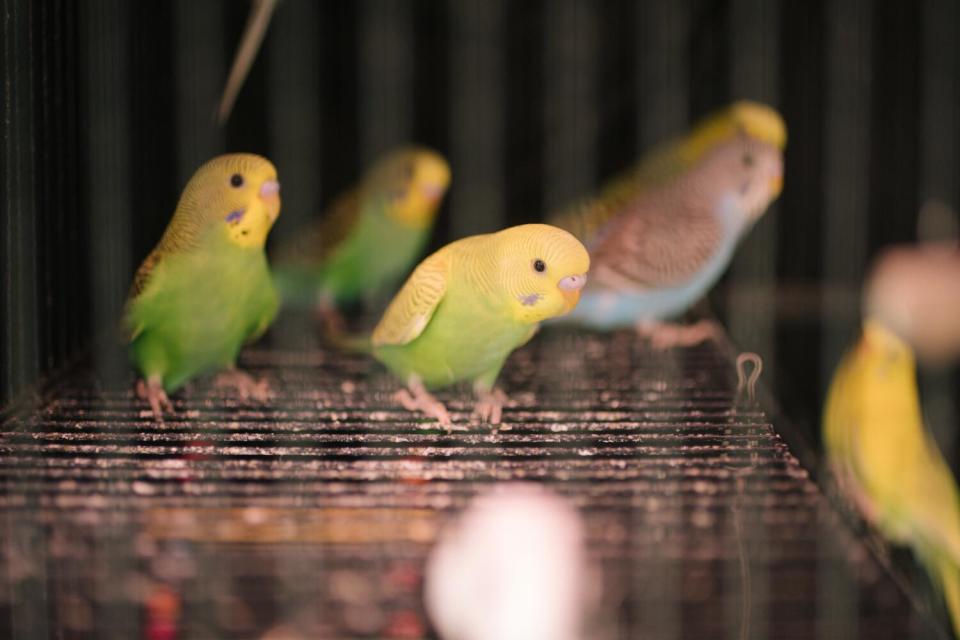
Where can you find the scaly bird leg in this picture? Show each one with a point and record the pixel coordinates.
(419, 399)
(152, 391)
(489, 407)
(667, 335)
(330, 318)
(245, 385)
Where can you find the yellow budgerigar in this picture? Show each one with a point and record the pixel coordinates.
(466, 307)
(885, 460)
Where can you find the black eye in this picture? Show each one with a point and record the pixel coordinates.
(539, 266)
(236, 180)
(407, 171)
(748, 160)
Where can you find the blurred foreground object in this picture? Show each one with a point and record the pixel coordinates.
(661, 234)
(915, 292)
(877, 445)
(512, 567)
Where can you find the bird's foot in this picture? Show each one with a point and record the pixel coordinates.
(667, 335)
(417, 398)
(331, 320)
(489, 407)
(152, 391)
(246, 386)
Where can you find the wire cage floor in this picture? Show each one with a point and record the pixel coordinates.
(312, 516)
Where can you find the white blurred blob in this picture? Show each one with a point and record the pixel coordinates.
(512, 567)
(915, 291)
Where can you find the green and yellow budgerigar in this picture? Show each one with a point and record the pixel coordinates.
(206, 287)
(885, 460)
(370, 237)
(466, 307)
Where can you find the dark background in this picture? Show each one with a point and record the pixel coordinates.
(107, 109)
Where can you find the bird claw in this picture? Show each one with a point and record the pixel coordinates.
(664, 335)
(152, 391)
(332, 321)
(246, 386)
(489, 407)
(419, 399)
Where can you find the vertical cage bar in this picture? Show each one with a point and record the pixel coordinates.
(754, 74)
(477, 126)
(20, 353)
(845, 221)
(386, 76)
(108, 161)
(570, 114)
(939, 159)
(663, 28)
(201, 69)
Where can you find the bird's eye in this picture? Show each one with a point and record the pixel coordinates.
(748, 159)
(408, 171)
(539, 265)
(236, 180)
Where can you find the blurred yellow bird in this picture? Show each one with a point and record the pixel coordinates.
(885, 460)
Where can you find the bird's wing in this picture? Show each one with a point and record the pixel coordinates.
(655, 244)
(411, 309)
(323, 236)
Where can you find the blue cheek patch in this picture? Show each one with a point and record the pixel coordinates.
(234, 216)
(530, 300)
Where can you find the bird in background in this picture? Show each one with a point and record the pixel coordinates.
(881, 453)
(663, 233)
(206, 288)
(370, 237)
(261, 12)
(466, 307)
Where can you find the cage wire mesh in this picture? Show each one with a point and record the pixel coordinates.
(312, 516)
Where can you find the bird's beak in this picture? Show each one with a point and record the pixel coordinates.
(432, 192)
(270, 194)
(776, 184)
(570, 289)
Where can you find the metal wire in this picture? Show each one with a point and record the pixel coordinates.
(316, 511)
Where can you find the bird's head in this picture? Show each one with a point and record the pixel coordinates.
(746, 169)
(886, 357)
(542, 270)
(413, 180)
(237, 193)
(740, 151)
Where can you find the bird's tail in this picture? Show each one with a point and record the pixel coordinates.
(354, 343)
(947, 574)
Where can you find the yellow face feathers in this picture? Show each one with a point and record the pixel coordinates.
(413, 180)
(542, 270)
(758, 121)
(236, 194)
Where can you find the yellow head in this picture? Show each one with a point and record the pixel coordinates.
(237, 194)
(413, 181)
(886, 360)
(541, 270)
(743, 118)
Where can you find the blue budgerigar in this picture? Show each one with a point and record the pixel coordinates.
(660, 236)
